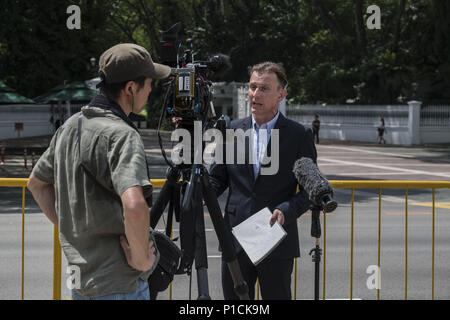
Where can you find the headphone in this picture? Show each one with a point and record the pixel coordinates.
(132, 100)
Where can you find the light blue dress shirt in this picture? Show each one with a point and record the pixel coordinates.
(261, 137)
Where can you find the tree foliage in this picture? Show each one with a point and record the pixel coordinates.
(329, 53)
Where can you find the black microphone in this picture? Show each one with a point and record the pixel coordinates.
(219, 63)
(315, 184)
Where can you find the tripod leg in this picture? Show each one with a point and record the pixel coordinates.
(153, 294)
(201, 258)
(192, 233)
(164, 197)
(160, 204)
(169, 218)
(187, 228)
(202, 284)
(224, 237)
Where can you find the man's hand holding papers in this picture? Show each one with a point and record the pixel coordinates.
(257, 236)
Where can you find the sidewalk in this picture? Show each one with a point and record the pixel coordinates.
(17, 146)
(14, 161)
(14, 155)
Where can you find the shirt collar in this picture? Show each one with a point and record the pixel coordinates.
(268, 125)
(103, 102)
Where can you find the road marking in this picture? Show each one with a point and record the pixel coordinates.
(363, 158)
(390, 164)
(178, 230)
(371, 174)
(373, 195)
(393, 199)
(308, 213)
(410, 213)
(367, 165)
(443, 205)
(368, 151)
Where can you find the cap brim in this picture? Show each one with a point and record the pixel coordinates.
(161, 71)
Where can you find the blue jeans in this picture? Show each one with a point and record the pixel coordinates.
(141, 293)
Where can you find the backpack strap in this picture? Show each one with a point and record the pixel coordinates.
(80, 124)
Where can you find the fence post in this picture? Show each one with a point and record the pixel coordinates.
(33, 155)
(56, 265)
(282, 107)
(25, 159)
(2, 161)
(414, 121)
(243, 103)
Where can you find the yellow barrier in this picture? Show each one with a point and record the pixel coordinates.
(357, 184)
(347, 184)
(57, 265)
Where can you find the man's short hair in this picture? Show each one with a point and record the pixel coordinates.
(112, 90)
(269, 66)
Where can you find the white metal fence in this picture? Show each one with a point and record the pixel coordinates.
(435, 116)
(405, 124)
(394, 115)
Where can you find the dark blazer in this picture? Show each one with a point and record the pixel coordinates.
(247, 196)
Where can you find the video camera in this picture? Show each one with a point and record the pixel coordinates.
(190, 91)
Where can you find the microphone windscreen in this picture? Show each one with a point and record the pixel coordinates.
(311, 179)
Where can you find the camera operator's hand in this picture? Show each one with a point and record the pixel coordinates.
(151, 256)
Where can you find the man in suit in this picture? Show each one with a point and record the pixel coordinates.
(250, 190)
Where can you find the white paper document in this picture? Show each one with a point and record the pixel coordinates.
(257, 237)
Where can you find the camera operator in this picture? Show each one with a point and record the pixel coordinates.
(251, 191)
(95, 168)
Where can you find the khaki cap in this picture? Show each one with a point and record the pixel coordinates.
(128, 61)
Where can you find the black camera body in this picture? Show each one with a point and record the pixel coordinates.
(190, 92)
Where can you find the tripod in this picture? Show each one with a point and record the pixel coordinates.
(192, 225)
(316, 252)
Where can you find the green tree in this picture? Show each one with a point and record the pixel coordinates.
(38, 52)
(324, 45)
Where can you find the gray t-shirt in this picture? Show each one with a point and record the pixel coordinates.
(88, 203)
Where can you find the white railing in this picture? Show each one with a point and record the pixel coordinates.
(405, 124)
(359, 115)
(435, 116)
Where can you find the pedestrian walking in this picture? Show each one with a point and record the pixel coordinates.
(316, 127)
(381, 131)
